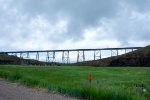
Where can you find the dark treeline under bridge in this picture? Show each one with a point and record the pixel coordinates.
(77, 55)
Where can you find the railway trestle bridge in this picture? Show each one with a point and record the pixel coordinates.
(80, 55)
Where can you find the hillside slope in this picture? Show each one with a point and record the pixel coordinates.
(140, 57)
(10, 59)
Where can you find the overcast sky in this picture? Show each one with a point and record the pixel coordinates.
(68, 24)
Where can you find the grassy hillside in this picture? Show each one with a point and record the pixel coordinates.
(10, 59)
(139, 57)
(107, 83)
(6, 59)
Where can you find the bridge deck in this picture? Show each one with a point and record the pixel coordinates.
(72, 50)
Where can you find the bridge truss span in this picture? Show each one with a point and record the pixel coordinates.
(71, 55)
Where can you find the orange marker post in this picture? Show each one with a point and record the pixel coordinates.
(90, 77)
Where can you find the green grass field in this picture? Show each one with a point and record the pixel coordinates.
(117, 83)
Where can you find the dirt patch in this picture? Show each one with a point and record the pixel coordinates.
(13, 91)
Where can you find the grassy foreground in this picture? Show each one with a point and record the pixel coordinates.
(119, 83)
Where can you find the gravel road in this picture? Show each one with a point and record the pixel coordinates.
(13, 91)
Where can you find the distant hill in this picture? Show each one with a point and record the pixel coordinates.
(14, 60)
(10, 59)
(140, 57)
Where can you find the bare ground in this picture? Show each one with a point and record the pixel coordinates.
(13, 91)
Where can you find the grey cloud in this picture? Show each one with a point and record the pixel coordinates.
(140, 5)
(133, 29)
(82, 13)
(16, 17)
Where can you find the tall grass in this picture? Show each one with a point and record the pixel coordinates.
(107, 83)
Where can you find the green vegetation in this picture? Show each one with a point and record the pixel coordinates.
(108, 83)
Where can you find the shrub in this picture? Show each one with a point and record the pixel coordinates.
(30, 81)
(15, 76)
